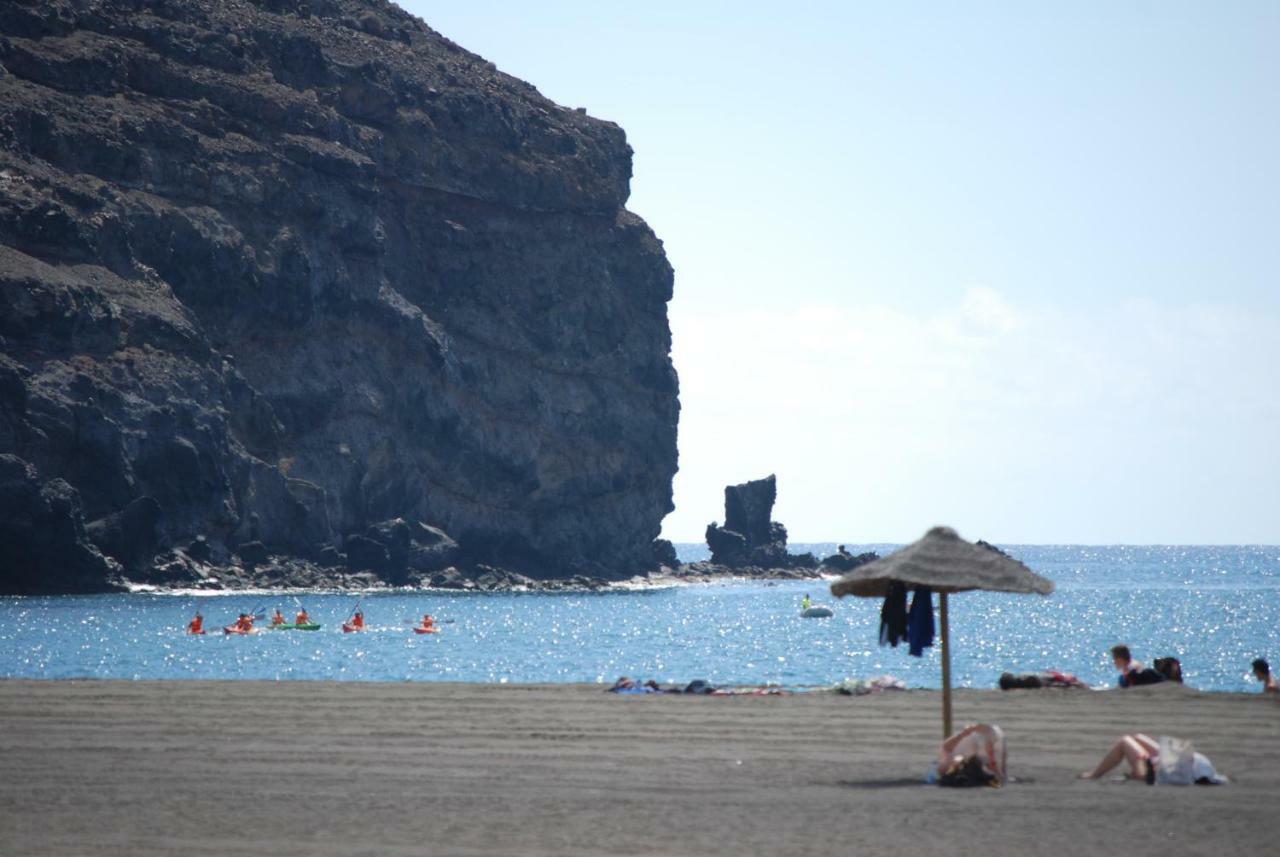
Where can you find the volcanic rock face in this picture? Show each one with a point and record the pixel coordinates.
(285, 272)
(750, 538)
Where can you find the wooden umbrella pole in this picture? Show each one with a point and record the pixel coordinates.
(946, 666)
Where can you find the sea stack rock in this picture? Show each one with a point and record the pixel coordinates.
(279, 272)
(750, 538)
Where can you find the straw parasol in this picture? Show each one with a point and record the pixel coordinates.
(945, 563)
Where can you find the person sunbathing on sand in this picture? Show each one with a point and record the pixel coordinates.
(976, 752)
(1139, 750)
(630, 685)
(1142, 753)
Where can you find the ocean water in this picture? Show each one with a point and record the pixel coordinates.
(1215, 608)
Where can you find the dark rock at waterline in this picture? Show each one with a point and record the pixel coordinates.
(750, 538)
(843, 561)
(253, 554)
(130, 536)
(726, 545)
(199, 549)
(291, 276)
(330, 557)
(365, 554)
(432, 549)
(985, 544)
(664, 554)
(44, 545)
(394, 548)
(702, 571)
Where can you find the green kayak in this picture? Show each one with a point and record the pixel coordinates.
(311, 627)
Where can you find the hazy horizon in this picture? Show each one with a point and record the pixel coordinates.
(1009, 268)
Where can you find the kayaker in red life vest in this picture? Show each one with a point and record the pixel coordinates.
(357, 621)
(196, 626)
(278, 618)
(428, 624)
(244, 623)
(302, 618)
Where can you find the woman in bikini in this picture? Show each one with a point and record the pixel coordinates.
(1139, 750)
(980, 741)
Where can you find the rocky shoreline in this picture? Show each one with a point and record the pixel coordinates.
(276, 274)
(177, 572)
(399, 554)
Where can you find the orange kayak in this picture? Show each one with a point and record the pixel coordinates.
(420, 630)
(232, 629)
(350, 629)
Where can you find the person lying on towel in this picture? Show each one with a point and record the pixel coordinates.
(974, 756)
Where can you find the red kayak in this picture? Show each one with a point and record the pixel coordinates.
(232, 629)
(350, 629)
(421, 630)
(196, 633)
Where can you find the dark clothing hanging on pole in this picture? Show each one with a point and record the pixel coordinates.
(893, 616)
(920, 621)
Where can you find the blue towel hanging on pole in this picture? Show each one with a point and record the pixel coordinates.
(920, 621)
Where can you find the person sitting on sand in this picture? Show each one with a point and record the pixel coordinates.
(302, 618)
(1262, 672)
(1170, 668)
(277, 618)
(196, 625)
(1132, 673)
(357, 621)
(976, 755)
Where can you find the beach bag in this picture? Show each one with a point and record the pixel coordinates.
(1176, 763)
(1180, 765)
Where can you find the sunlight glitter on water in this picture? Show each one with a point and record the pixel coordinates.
(1214, 608)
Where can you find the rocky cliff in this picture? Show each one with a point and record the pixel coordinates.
(307, 279)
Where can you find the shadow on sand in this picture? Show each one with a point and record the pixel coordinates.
(910, 782)
(901, 783)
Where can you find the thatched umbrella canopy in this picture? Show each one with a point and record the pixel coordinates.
(945, 563)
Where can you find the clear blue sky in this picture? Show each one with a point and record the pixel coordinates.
(1010, 267)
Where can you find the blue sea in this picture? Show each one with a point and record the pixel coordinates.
(1215, 608)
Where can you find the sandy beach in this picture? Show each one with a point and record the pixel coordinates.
(310, 768)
